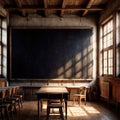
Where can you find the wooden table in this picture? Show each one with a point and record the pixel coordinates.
(47, 92)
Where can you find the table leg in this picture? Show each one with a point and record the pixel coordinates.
(66, 109)
(41, 105)
(69, 90)
(38, 110)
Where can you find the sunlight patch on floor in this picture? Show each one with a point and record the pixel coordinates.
(91, 110)
(76, 111)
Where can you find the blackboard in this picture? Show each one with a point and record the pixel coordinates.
(48, 53)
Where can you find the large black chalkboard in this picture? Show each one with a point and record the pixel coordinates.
(48, 53)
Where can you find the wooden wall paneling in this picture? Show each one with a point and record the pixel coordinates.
(105, 90)
(117, 93)
(113, 91)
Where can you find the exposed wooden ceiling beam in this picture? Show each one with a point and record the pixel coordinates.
(90, 3)
(45, 6)
(63, 6)
(78, 9)
(19, 5)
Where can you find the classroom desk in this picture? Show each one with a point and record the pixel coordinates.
(48, 92)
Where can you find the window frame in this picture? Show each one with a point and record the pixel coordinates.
(110, 66)
(3, 46)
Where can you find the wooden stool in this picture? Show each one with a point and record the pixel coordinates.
(52, 105)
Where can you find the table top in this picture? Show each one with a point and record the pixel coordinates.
(76, 87)
(52, 90)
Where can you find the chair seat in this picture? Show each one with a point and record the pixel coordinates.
(54, 101)
(55, 105)
(78, 95)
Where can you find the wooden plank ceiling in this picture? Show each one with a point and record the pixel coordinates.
(53, 7)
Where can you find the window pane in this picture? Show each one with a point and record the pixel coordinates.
(105, 63)
(105, 71)
(4, 36)
(110, 71)
(105, 55)
(0, 55)
(0, 47)
(4, 24)
(105, 30)
(110, 61)
(110, 53)
(0, 22)
(105, 41)
(0, 35)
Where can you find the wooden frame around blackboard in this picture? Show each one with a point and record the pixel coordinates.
(10, 65)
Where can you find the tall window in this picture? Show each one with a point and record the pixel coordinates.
(0, 47)
(107, 48)
(3, 47)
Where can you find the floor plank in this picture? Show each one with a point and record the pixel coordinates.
(90, 111)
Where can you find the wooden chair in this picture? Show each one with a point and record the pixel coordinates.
(53, 104)
(6, 111)
(81, 95)
(14, 97)
(14, 101)
(19, 94)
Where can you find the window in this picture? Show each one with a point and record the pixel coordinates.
(107, 48)
(3, 47)
(0, 47)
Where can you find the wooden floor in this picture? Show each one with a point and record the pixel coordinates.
(91, 111)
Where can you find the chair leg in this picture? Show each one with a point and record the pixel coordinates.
(21, 102)
(85, 101)
(73, 100)
(5, 114)
(12, 113)
(61, 113)
(1, 115)
(48, 112)
(79, 101)
(41, 103)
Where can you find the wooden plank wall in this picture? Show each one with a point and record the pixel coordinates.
(105, 90)
(110, 90)
(117, 92)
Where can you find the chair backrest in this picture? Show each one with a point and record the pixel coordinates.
(9, 93)
(13, 90)
(3, 96)
(17, 90)
(83, 90)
